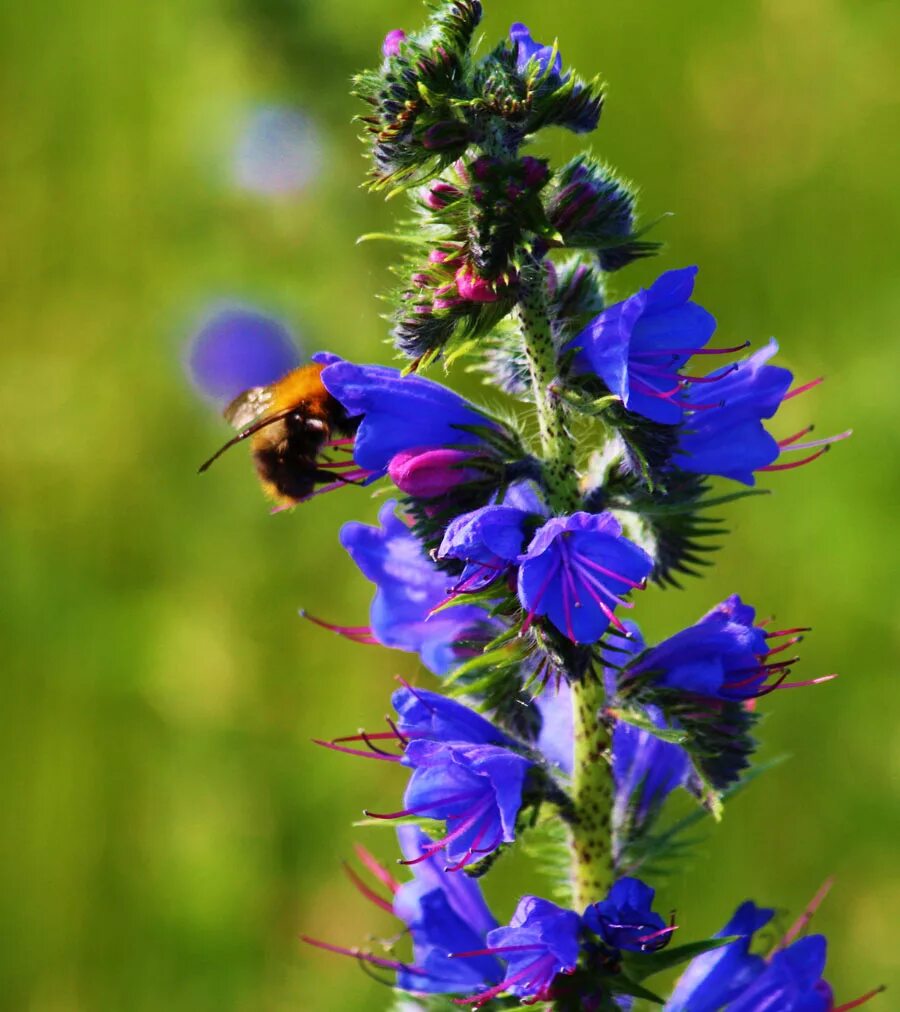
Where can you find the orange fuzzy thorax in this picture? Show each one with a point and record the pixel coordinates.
(301, 388)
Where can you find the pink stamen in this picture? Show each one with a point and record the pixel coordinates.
(471, 818)
(802, 390)
(382, 756)
(607, 611)
(368, 892)
(588, 578)
(693, 351)
(357, 634)
(584, 560)
(795, 463)
(645, 388)
(812, 681)
(713, 379)
(658, 934)
(757, 676)
(495, 952)
(551, 572)
(474, 850)
(784, 646)
(421, 699)
(366, 737)
(400, 735)
(786, 632)
(568, 588)
(385, 964)
(827, 441)
(349, 441)
(859, 1001)
(538, 967)
(376, 868)
(804, 919)
(422, 808)
(793, 439)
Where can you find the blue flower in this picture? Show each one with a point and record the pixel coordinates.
(489, 540)
(409, 586)
(399, 412)
(540, 943)
(475, 789)
(715, 978)
(725, 434)
(575, 570)
(721, 656)
(424, 714)
(625, 919)
(791, 981)
(445, 914)
(527, 50)
(638, 346)
(237, 347)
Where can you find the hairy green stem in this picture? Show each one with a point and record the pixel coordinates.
(557, 447)
(592, 783)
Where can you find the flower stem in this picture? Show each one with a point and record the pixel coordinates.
(557, 447)
(592, 794)
(592, 783)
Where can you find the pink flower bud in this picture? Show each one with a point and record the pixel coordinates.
(472, 287)
(428, 473)
(441, 194)
(391, 44)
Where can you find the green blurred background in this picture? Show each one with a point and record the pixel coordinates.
(168, 829)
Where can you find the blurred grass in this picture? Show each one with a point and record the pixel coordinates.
(168, 829)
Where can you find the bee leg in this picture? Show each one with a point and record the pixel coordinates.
(327, 477)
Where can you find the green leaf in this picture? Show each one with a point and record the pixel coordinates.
(638, 719)
(641, 965)
(620, 984)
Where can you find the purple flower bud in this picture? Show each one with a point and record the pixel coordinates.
(445, 135)
(527, 50)
(484, 167)
(428, 473)
(391, 45)
(535, 172)
(625, 920)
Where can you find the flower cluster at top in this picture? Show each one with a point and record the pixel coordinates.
(519, 546)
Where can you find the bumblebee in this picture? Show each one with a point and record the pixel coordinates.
(291, 424)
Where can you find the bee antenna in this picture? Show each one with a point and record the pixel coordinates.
(243, 434)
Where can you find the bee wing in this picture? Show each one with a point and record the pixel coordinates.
(248, 406)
